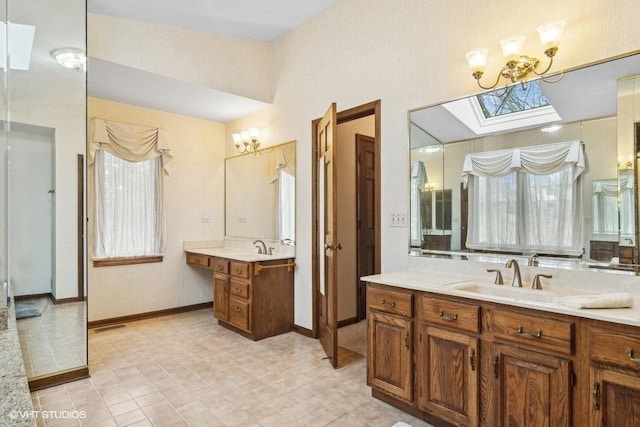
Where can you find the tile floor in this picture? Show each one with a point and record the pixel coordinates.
(55, 340)
(185, 370)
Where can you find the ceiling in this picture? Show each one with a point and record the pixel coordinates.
(253, 19)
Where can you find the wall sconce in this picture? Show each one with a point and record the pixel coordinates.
(70, 57)
(429, 186)
(247, 140)
(625, 162)
(518, 66)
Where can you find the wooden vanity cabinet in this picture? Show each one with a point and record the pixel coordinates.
(390, 341)
(614, 373)
(254, 299)
(448, 359)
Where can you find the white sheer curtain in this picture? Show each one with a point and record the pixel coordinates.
(285, 167)
(418, 179)
(605, 206)
(627, 206)
(128, 162)
(526, 199)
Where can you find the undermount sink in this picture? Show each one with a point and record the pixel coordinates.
(517, 294)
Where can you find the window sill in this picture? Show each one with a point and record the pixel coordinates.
(126, 261)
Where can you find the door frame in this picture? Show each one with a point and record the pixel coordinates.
(364, 110)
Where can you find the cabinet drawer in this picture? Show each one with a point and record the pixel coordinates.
(239, 313)
(451, 314)
(198, 259)
(220, 265)
(240, 269)
(534, 330)
(615, 348)
(389, 301)
(239, 289)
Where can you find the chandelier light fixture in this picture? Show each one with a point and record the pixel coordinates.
(518, 66)
(247, 140)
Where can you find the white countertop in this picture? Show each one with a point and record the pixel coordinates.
(441, 283)
(239, 254)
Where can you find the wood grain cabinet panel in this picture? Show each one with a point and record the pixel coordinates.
(198, 260)
(221, 296)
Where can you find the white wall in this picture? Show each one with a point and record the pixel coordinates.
(408, 54)
(193, 190)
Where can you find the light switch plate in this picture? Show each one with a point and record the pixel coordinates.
(399, 219)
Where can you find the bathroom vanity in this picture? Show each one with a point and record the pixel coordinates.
(472, 359)
(252, 293)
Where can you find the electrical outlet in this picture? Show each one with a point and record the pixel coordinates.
(242, 220)
(205, 220)
(399, 219)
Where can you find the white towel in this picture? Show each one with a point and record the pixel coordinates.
(613, 300)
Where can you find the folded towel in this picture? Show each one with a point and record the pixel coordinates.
(613, 300)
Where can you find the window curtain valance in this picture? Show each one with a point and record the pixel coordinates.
(538, 160)
(608, 188)
(286, 159)
(134, 143)
(418, 171)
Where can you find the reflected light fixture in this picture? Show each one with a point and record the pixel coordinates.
(246, 141)
(70, 57)
(519, 66)
(551, 128)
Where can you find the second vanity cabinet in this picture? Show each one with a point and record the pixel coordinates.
(254, 299)
(481, 363)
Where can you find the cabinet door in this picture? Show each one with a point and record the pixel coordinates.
(616, 399)
(448, 364)
(389, 364)
(534, 389)
(221, 296)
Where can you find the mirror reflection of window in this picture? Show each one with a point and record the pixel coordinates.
(605, 206)
(627, 206)
(418, 180)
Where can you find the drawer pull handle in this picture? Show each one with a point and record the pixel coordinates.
(391, 304)
(631, 358)
(453, 317)
(496, 366)
(237, 289)
(472, 359)
(237, 309)
(406, 341)
(522, 333)
(596, 396)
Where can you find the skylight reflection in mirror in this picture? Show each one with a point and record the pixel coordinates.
(512, 99)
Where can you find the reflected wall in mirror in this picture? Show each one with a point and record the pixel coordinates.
(46, 137)
(544, 169)
(260, 193)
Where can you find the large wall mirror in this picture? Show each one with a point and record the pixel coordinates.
(260, 193)
(46, 138)
(545, 169)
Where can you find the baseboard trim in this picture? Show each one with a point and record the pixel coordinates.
(148, 315)
(62, 377)
(347, 322)
(57, 301)
(24, 297)
(304, 331)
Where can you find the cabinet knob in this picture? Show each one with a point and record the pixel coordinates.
(596, 396)
(472, 359)
(631, 358)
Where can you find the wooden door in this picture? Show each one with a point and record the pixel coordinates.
(221, 296)
(534, 389)
(389, 354)
(366, 215)
(449, 367)
(327, 234)
(616, 399)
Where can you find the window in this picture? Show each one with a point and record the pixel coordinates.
(286, 205)
(526, 200)
(512, 99)
(129, 214)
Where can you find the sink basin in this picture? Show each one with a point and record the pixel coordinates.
(511, 293)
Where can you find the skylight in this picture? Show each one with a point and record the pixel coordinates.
(512, 99)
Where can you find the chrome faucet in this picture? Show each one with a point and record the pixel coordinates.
(261, 249)
(288, 241)
(533, 260)
(498, 280)
(517, 279)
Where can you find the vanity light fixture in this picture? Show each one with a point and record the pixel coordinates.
(430, 186)
(70, 57)
(519, 66)
(246, 141)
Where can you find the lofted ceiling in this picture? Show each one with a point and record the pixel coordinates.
(253, 19)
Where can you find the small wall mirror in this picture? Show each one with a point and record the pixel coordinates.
(477, 184)
(260, 193)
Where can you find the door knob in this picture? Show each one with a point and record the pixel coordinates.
(333, 247)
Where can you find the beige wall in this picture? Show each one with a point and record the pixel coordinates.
(408, 54)
(194, 190)
(347, 214)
